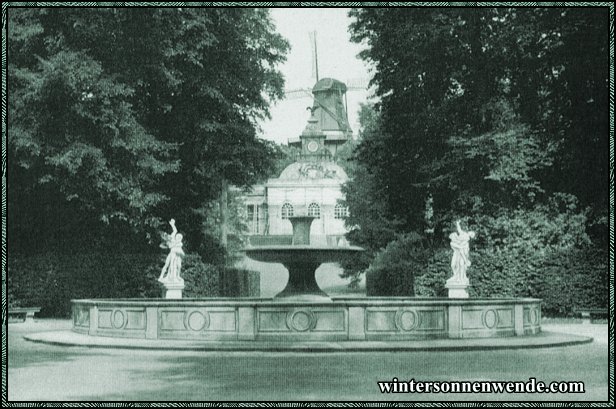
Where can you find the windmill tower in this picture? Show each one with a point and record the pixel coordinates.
(329, 104)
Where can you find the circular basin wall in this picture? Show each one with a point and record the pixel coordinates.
(338, 319)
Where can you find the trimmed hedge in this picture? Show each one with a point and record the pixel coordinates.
(206, 280)
(568, 280)
(430, 281)
(51, 280)
(200, 279)
(543, 252)
(392, 273)
(396, 281)
(565, 279)
(404, 268)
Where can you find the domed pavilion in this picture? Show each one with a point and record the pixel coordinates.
(312, 184)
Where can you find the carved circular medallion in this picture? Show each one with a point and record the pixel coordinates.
(313, 146)
(117, 319)
(196, 320)
(301, 320)
(407, 319)
(490, 319)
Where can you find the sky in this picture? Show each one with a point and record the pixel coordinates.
(337, 57)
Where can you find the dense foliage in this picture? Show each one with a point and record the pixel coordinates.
(498, 117)
(564, 279)
(121, 118)
(393, 270)
(483, 109)
(207, 280)
(51, 280)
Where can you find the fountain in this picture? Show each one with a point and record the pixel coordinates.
(301, 260)
(302, 311)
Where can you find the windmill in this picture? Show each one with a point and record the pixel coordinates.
(340, 116)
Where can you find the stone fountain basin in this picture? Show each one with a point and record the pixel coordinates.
(286, 254)
(338, 319)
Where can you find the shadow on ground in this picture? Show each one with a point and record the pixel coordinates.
(47, 372)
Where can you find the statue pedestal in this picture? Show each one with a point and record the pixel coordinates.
(457, 289)
(173, 290)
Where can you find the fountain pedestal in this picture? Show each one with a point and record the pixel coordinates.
(456, 289)
(302, 280)
(301, 259)
(173, 291)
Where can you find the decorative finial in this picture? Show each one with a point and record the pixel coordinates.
(312, 110)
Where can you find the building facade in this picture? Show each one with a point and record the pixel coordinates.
(312, 184)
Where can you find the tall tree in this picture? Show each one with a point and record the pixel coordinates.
(486, 109)
(135, 115)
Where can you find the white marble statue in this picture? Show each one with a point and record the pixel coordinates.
(170, 273)
(461, 259)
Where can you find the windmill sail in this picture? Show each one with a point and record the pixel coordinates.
(315, 56)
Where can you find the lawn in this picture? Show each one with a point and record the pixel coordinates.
(47, 372)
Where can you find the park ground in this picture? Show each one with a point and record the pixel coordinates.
(55, 373)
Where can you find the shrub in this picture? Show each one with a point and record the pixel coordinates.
(557, 224)
(51, 280)
(200, 279)
(571, 279)
(392, 272)
(542, 252)
(500, 272)
(207, 280)
(430, 282)
(428, 270)
(565, 278)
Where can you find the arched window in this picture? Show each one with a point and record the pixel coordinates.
(287, 211)
(340, 211)
(314, 210)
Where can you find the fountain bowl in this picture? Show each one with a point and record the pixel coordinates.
(285, 254)
(301, 259)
